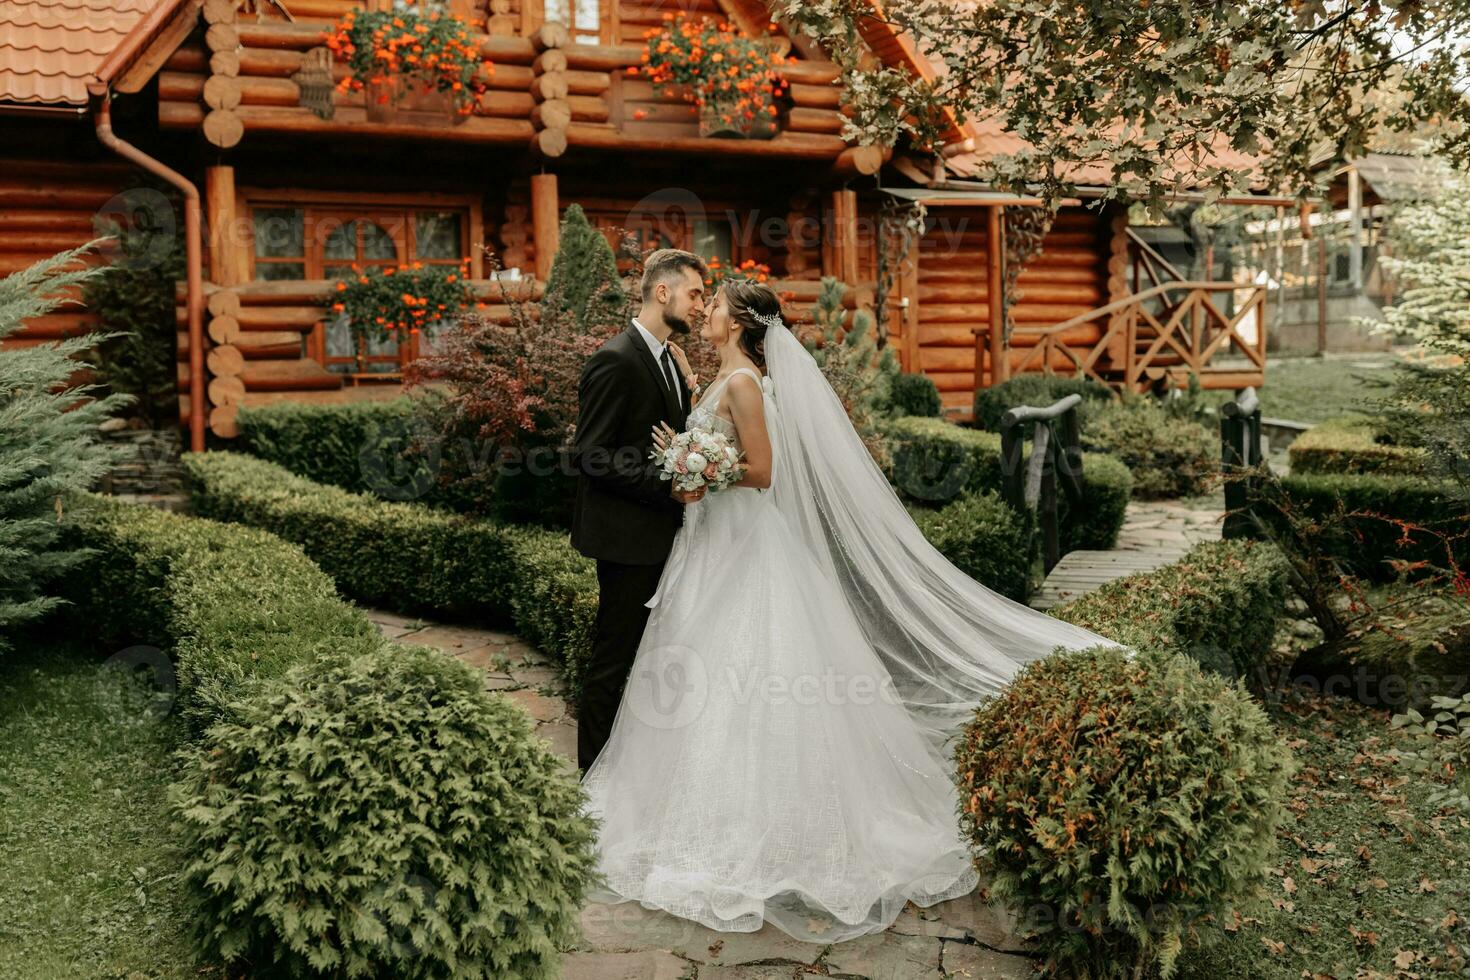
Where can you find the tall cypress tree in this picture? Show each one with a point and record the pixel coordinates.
(49, 441)
(584, 277)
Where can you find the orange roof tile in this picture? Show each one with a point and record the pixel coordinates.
(49, 47)
(991, 139)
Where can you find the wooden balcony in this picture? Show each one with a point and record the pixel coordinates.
(544, 93)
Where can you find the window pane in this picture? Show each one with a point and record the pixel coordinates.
(341, 242)
(436, 235)
(376, 243)
(385, 345)
(559, 11)
(279, 232)
(338, 272)
(587, 15)
(339, 341)
(712, 240)
(274, 271)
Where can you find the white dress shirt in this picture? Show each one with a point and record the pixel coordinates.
(657, 347)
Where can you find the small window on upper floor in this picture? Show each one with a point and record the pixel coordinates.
(582, 17)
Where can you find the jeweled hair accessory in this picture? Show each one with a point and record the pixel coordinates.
(768, 319)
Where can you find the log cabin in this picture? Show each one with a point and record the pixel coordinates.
(287, 181)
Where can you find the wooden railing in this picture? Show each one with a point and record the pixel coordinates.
(1170, 330)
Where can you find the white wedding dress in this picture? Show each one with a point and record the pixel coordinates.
(782, 749)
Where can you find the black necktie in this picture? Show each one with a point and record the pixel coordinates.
(668, 360)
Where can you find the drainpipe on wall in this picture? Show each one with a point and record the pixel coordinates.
(194, 254)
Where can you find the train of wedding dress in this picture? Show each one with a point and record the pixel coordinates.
(782, 750)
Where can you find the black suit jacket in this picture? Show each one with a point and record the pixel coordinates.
(623, 511)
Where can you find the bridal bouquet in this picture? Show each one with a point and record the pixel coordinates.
(699, 458)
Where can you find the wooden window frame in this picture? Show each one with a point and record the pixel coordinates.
(392, 212)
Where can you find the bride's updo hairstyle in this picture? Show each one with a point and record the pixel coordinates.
(743, 298)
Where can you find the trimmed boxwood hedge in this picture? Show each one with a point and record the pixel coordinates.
(354, 445)
(1220, 604)
(412, 558)
(1367, 547)
(234, 604)
(934, 462)
(1349, 445)
(455, 839)
(985, 539)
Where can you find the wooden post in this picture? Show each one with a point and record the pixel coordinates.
(995, 253)
(1322, 286)
(226, 267)
(545, 222)
(1355, 228)
(845, 236)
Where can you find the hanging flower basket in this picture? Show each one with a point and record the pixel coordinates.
(409, 59)
(733, 78)
(726, 120)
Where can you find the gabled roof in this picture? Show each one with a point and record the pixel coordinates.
(49, 48)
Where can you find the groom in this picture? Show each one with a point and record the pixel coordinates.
(625, 515)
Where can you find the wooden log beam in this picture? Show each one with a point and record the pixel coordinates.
(999, 366)
(808, 146)
(545, 222)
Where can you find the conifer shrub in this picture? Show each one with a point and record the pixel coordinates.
(1120, 803)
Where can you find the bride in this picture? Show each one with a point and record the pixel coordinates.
(780, 753)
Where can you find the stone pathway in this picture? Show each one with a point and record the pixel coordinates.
(1155, 533)
(962, 938)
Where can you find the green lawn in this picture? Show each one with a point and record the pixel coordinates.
(88, 870)
(1312, 389)
(1369, 881)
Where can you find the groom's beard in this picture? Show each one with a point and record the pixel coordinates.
(678, 325)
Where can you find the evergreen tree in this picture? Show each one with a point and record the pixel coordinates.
(859, 371)
(584, 276)
(135, 301)
(48, 438)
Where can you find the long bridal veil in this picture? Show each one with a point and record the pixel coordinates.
(948, 642)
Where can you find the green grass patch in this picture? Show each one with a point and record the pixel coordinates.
(91, 885)
(1314, 389)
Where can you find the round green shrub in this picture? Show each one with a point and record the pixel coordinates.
(1168, 456)
(914, 395)
(985, 539)
(1037, 390)
(1118, 803)
(382, 815)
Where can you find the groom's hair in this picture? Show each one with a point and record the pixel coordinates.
(667, 263)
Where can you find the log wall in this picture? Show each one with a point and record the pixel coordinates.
(48, 206)
(950, 299)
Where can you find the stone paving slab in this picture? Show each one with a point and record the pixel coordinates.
(964, 937)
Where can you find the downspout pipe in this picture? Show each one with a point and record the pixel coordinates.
(101, 94)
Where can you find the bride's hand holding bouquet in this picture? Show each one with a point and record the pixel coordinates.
(696, 460)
